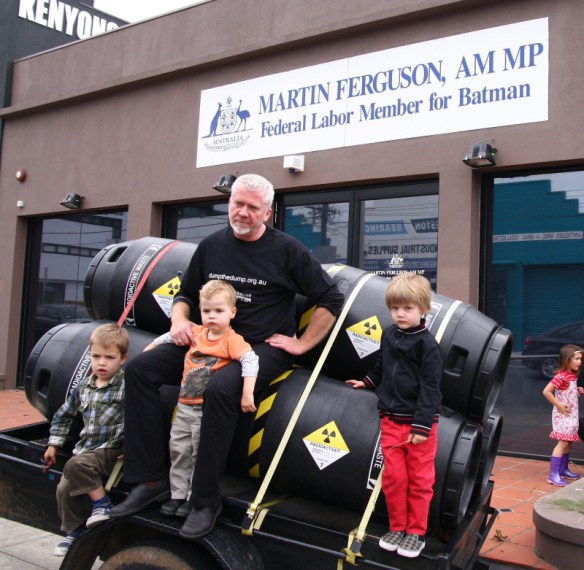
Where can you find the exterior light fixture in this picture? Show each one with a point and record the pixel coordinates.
(225, 183)
(72, 201)
(480, 154)
(294, 163)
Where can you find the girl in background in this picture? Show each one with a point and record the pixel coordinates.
(562, 392)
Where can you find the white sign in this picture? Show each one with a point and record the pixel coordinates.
(537, 236)
(326, 445)
(482, 79)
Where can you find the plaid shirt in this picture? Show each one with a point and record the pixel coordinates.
(103, 415)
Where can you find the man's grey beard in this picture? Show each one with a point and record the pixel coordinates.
(239, 230)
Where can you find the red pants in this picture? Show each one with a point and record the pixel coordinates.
(408, 477)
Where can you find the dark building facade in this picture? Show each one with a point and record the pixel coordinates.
(360, 113)
(32, 26)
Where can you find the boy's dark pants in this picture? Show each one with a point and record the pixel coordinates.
(82, 473)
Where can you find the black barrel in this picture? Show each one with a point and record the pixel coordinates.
(61, 358)
(475, 350)
(334, 455)
(116, 271)
(492, 430)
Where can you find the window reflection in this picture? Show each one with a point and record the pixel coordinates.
(194, 222)
(322, 228)
(535, 290)
(68, 245)
(400, 234)
(60, 253)
(538, 268)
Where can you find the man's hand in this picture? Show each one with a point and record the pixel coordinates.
(321, 322)
(181, 332)
(290, 344)
(181, 326)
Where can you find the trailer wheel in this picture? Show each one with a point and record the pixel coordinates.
(158, 555)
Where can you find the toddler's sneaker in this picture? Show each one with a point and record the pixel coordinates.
(63, 547)
(411, 546)
(170, 507)
(98, 515)
(391, 540)
(184, 510)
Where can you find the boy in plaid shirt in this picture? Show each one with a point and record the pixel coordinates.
(99, 398)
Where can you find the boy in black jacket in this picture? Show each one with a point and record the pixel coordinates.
(407, 382)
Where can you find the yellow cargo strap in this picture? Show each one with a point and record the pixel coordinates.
(116, 475)
(247, 525)
(264, 509)
(356, 537)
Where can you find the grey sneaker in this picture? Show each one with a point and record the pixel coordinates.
(63, 547)
(391, 540)
(411, 546)
(98, 515)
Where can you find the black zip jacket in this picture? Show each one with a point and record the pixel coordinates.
(407, 376)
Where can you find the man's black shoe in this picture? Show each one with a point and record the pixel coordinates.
(140, 497)
(200, 522)
(171, 507)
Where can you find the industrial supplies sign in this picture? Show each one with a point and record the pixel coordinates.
(483, 79)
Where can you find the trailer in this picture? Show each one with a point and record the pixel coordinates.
(291, 498)
(294, 532)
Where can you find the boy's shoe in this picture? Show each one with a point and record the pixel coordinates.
(184, 510)
(411, 546)
(63, 547)
(170, 507)
(98, 515)
(391, 540)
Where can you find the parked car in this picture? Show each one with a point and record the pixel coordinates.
(49, 316)
(546, 347)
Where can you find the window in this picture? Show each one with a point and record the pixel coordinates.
(533, 285)
(322, 228)
(386, 229)
(400, 234)
(192, 222)
(59, 252)
(537, 267)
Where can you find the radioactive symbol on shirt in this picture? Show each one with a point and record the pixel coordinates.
(326, 445)
(164, 295)
(365, 336)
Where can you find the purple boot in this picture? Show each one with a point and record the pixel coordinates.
(554, 476)
(565, 469)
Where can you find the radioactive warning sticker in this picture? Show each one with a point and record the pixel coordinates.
(365, 336)
(164, 295)
(326, 445)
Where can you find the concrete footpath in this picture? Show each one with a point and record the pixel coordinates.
(26, 548)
